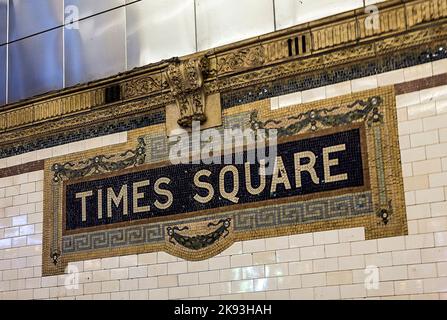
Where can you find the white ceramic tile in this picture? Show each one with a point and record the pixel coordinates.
(314, 95)
(363, 84)
(288, 255)
(439, 67)
(310, 253)
(289, 100)
(338, 89)
(418, 72)
(390, 78)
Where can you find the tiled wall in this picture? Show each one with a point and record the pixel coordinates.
(325, 265)
(64, 149)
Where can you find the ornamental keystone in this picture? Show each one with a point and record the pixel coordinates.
(186, 79)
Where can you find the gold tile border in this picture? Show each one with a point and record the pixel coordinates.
(373, 225)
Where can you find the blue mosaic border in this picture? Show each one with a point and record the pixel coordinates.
(84, 133)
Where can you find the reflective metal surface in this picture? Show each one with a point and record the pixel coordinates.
(88, 7)
(143, 32)
(293, 12)
(2, 75)
(159, 30)
(27, 17)
(224, 21)
(35, 65)
(97, 49)
(3, 20)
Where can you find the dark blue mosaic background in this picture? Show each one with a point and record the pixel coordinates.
(183, 188)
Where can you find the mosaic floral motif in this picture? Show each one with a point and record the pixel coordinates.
(200, 241)
(359, 110)
(101, 164)
(55, 256)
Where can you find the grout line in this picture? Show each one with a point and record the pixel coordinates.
(195, 26)
(274, 16)
(126, 62)
(63, 45)
(7, 55)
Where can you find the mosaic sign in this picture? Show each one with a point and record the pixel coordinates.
(336, 166)
(318, 164)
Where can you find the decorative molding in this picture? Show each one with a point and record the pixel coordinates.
(136, 115)
(254, 61)
(68, 123)
(82, 132)
(334, 74)
(145, 85)
(49, 109)
(241, 59)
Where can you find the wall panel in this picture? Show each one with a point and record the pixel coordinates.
(293, 12)
(3, 21)
(87, 8)
(221, 22)
(2, 75)
(96, 49)
(35, 65)
(159, 30)
(39, 15)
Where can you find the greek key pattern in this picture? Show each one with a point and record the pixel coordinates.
(116, 238)
(157, 148)
(252, 219)
(304, 212)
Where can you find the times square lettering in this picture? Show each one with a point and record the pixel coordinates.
(134, 197)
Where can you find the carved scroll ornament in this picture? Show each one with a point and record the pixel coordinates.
(186, 79)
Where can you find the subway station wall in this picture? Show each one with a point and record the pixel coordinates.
(319, 265)
(38, 54)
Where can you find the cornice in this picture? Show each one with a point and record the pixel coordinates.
(306, 48)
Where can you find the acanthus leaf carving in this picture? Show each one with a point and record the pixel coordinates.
(142, 86)
(242, 59)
